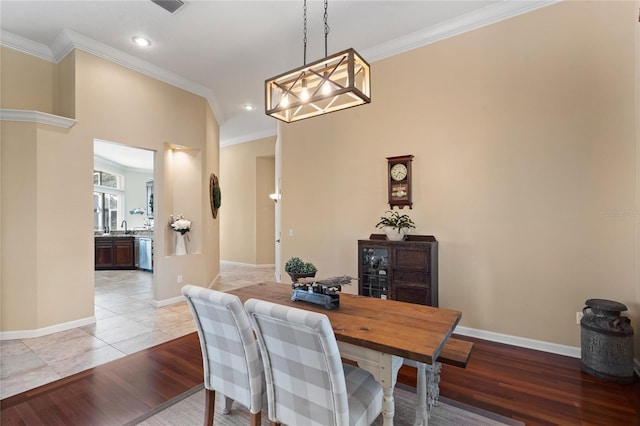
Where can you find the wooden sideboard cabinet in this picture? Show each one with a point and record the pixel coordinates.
(114, 253)
(406, 271)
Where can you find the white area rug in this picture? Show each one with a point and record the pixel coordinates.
(188, 409)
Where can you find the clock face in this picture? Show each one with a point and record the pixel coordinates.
(398, 171)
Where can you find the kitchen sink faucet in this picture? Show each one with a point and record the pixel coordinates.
(124, 224)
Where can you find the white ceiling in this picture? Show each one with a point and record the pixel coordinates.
(133, 158)
(224, 50)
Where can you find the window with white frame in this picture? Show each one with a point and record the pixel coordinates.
(108, 200)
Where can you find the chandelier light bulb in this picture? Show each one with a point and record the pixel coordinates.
(304, 94)
(326, 86)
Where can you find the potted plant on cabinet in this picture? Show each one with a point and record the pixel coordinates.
(298, 268)
(396, 226)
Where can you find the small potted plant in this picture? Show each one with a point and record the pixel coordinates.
(396, 226)
(298, 268)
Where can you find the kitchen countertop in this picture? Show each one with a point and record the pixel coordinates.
(121, 234)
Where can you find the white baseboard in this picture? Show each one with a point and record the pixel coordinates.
(522, 342)
(248, 265)
(30, 334)
(166, 302)
(177, 299)
(538, 345)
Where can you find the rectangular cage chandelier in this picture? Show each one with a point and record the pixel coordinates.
(333, 83)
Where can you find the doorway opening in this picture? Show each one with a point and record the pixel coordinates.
(123, 219)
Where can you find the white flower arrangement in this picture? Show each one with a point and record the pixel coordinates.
(180, 224)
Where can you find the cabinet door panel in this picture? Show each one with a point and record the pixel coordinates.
(412, 294)
(123, 253)
(103, 256)
(413, 259)
(410, 276)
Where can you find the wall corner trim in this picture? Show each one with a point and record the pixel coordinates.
(30, 116)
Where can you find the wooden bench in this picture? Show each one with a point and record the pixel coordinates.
(456, 352)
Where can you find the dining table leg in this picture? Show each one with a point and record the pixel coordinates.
(422, 415)
(384, 368)
(427, 390)
(388, 406)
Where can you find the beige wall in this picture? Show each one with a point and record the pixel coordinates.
(265, 210)
(64, 88)
(211, 243)
(524, 140)
(27, 82)
(19, 202)
(247, 214)
(47, 279)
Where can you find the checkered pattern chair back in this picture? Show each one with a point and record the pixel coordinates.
(232, 365)
(305, 377)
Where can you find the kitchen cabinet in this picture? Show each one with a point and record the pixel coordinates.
(114, 253)
(406, 271)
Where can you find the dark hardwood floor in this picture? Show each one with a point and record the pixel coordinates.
(113, 393)
(534, 387)
(537, 388)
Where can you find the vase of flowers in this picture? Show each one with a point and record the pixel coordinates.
(181, 226)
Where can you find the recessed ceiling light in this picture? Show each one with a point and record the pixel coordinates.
(248, 107)
(141, 41)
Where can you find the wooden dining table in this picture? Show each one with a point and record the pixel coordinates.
(379, 335)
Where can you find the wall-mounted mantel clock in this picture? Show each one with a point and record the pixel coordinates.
(399, 177)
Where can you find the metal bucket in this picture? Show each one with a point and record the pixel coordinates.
(607, 341)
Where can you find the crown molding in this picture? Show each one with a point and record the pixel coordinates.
(249, 137)
(479, 18)
(62, 45)
(68, 40)
(36, 117)
(25, 45)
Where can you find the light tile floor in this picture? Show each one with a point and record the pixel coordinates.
(126, 322)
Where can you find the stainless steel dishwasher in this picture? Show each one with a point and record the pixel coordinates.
(145, 253)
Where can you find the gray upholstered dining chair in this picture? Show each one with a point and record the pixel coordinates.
(230, 353)
(307, 383)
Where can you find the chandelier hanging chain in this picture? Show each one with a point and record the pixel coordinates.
(326, 30)
(326, 26)
(304, 39)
